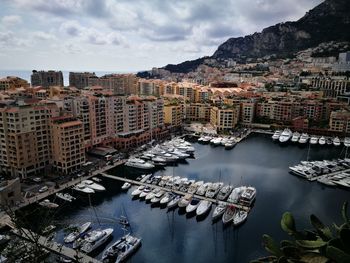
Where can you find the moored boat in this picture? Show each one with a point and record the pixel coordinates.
(240, 217)
(126, 186)
(95, 239)
(219, 210)
(174, 202)
(229, 214)
(94, 186)
(203, 207)
(192, 206)
(65, 196)
(83, 188)
(185, 200)
(80, 230)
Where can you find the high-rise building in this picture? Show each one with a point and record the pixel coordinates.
(68, 152)
(119, 84)
(173, 115)
(25, 138)
(80, 80)
(11, 82)
(225, 118)
(47, 78)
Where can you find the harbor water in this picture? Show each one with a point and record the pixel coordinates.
(175, 237)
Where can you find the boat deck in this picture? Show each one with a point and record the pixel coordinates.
(134, 182)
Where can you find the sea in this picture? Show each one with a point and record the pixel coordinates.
(25, 74)
(173, 236)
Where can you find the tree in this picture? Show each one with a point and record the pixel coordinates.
(321, 245)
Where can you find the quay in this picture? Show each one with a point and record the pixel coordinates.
(329, 174)
(51, 246)
(134, 182)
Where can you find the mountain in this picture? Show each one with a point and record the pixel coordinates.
(329, 21)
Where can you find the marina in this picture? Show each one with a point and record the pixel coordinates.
(164, 233)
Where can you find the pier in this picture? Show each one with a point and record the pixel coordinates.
(329, 174)
(134, 182)
(52, 246)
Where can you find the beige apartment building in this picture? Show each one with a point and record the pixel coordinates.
(119, 84)
(225, 118)
(10, 82)
(68, 151)
(25, 138)
(173, 115)
(340, 121)
(198, 112)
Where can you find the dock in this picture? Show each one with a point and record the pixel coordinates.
(329, 174)
(134, 182)
(52, 246)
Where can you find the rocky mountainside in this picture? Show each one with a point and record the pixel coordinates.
(329, 21)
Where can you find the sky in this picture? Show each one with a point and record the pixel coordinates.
(128, 35)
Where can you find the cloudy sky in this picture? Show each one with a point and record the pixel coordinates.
(128, 35)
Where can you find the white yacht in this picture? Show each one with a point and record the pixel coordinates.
(286, 135)
(230, 144)
(174, 202)
(166, 198)
(138, 190)
(80, 230)
(152, 194)
(224, 192)
(295, 137)
(322, 141)
(158, 196)
(91, 184)
(276, 135)
(184, 201)
(139, 164)
(83, 188)
(203, 188)
(240, 217)
(216, 141)
(48, 204)
(336, 141)
(304, 138)
(213, 190)
(121, 249)
(347, 142)
(314, 140)
(126, 186)
(248, 196)
(236, 194)
(203, 207)
(95, 238)
(145, 192)
(180, 154)
(219, 210)
(192, 206)
(65, 196)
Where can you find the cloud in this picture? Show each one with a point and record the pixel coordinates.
(11, 20)
(9, 39)
(40, 35)
(72, 28)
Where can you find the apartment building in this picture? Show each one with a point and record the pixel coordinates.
(10, 82)
(331, 86)
(47, 79)
(339, 121)
(25, 138)
(197, 112)
(173, 115)
(80, 80)
(150, 87)
(68, 152)
(247, 112)
(119, 84)
(225, 118)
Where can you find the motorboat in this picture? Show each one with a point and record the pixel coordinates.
(219, 210)
(167, 197)
(95, 239)
(224, 192)
(157, 197)
(138, 190)
(203, 188)
(192, 206)
(180, 154)
(240, 217)
(77, 232)
(121, 249)
(94, 186)
(65, 196)
(174, 202)
(236, 194)
(139, 164)
(96, 179)
(152, 194)
(314, 140)
(276, 135)
(229, 214)
(304, 138)
(203, 207)
(216, 141)
(295, 137)
(329, 141)
(336, 141)
(322, 141)
(230, 144)
(347, 142)
(83, 188)
(126, 186)
(248, 196)
(184, 201)
(145, 192)
(285, 136)
(46, 203)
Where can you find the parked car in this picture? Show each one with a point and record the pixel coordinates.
(43, 189)
(37, 179)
